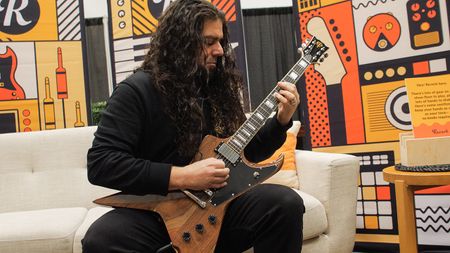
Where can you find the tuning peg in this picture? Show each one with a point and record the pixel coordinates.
(325, 55)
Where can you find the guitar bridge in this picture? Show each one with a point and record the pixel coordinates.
(199, 197)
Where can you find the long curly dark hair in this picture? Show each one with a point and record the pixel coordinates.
(172, 60)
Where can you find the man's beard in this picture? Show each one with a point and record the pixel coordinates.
(206, 76)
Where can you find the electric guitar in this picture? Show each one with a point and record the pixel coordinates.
(194, 222)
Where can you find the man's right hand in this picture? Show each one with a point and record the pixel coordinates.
(201, 175)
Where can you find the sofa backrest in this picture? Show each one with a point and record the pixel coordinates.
(46, 169)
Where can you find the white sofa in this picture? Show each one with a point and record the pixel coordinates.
(46, 200)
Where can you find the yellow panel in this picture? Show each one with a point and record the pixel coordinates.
(45, 29)
(376, 238)
(330, 2)
(369, 193)
(426, 39)
(371, 222)
(377, 126)
(27, 113)
(46, 59)
(121, 19)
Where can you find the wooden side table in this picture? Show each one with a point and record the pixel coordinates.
(405, 185)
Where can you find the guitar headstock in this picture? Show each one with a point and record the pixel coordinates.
(314, 50)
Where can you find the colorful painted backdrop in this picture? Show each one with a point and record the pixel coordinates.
(42, 74)
(132, 22)
(356, 100)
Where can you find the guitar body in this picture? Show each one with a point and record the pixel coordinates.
(9, 88)
(192, 228)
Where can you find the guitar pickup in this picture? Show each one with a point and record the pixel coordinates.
(228, 153)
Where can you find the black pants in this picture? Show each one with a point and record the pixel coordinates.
(268, 218)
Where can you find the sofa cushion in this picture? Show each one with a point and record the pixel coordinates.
(315, 219)
(48, 230)
(92, 215)
(288, 173)
(26, 191)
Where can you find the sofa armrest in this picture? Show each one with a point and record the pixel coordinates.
(333, 179)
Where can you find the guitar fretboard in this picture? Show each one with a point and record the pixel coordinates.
(251, 126)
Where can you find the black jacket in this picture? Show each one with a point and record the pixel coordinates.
(134, 150)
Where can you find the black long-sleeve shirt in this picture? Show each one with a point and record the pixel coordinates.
(134, 149)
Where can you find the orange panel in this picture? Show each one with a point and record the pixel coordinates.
(435, 190)
(383, 193)
(420, 68)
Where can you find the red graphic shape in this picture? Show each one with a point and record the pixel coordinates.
(61, 77)
(383, 193)
(415, 7)
(26, 113)
(435, 190)
(416, 17)
(432, 13)
(431, 3)
(420, 68)
(9, 88)
(26, 122)
(382, 31)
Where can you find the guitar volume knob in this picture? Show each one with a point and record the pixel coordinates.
(212, 219)
(186, 236)
(199, 228)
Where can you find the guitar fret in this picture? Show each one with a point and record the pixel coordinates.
(287, 79)
(293, 75)
(234, 147)
(248, 129)
(303, 63)
(273, 99)
(264, 110)
(251, 126)
(240, 137)
(257, 123)
(269, 104)
(237, 142)
(259, 115)
(245, 132)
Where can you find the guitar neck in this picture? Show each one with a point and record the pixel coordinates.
(258, 118)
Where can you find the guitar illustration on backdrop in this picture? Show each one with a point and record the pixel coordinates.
(9, 88)
(194, 222)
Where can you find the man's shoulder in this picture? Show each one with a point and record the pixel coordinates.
(140, 80)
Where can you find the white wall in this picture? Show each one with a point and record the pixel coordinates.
(257, 4)
(95, 8)
(98, 8)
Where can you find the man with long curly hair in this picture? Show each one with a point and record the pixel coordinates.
(154, 122)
